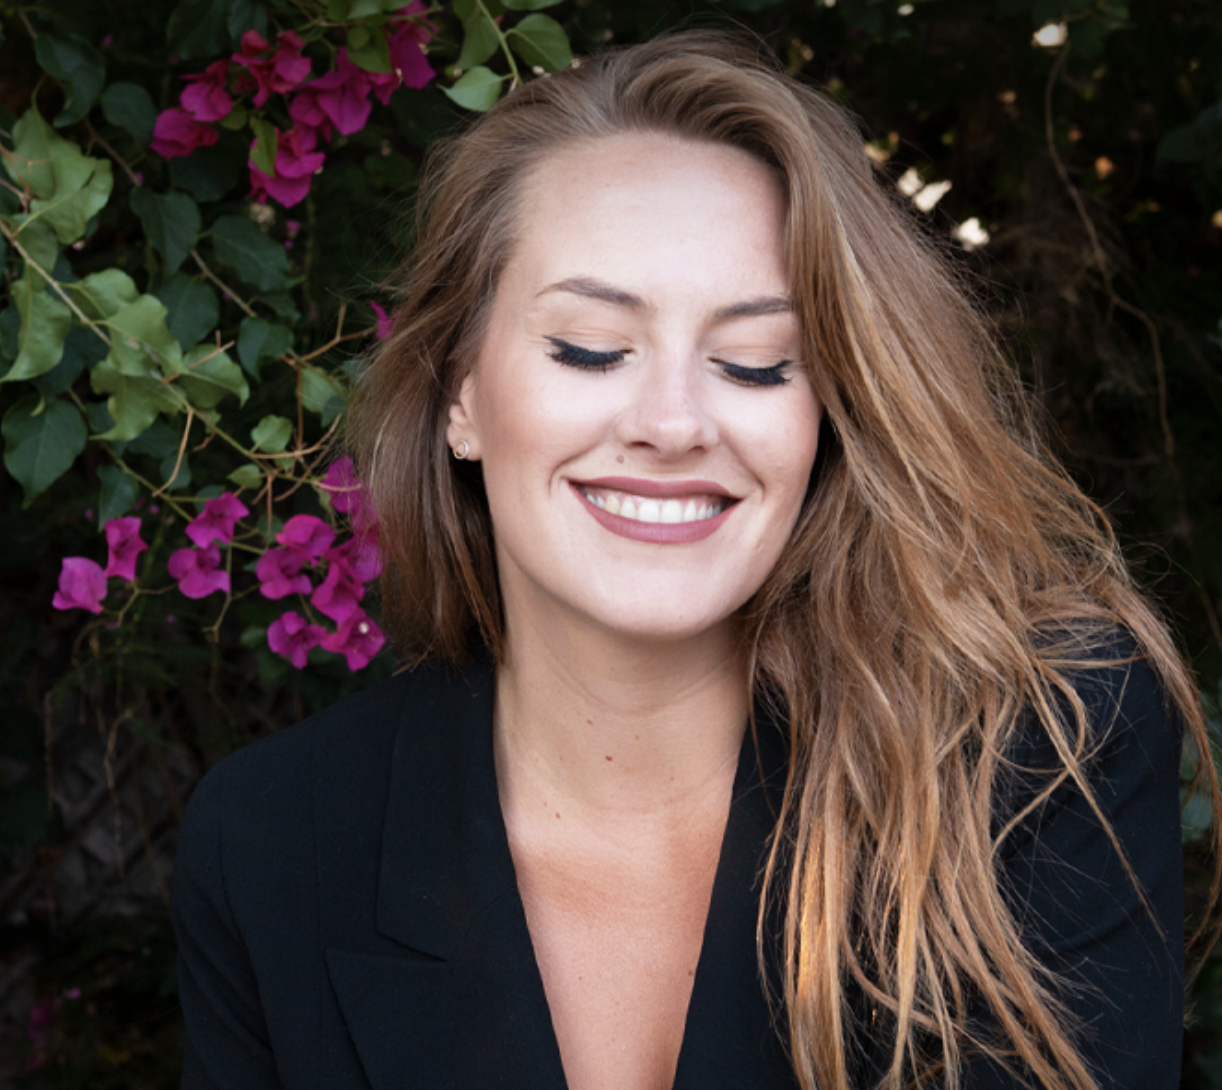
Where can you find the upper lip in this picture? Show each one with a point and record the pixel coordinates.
(639, 486)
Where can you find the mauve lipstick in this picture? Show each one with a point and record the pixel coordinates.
(656, 533)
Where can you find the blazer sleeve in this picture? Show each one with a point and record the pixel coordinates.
(1120, 957)
(227, 1038)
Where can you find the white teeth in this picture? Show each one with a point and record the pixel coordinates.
(672, 511)
(649, 509)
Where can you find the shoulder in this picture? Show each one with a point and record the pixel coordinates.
(330, 772)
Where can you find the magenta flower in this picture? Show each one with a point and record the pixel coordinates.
(216, 521)
(123, 545)
(277, 74)
(358, 639)
(304, 109)
(289, 635)
(341, 484)
(198, 571)
(407, 60)
(279, 574)
(359, 556)
(386, 324)
(340, 595)
(178, 133)
(307, 537)
(82, 585)
(349, 498)
(341, 95)
(296, 162)
(207, 99)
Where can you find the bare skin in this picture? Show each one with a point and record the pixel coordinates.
(615, 833)
(621, 707)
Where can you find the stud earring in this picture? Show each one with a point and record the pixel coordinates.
(461, 449)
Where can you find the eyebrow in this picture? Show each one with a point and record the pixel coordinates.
(590, 288)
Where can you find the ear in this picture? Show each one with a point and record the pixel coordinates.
(462, 424)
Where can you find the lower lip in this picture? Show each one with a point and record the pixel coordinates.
(656, 533)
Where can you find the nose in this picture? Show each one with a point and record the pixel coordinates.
(666, 412)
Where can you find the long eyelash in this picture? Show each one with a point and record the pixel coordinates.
(756, 376)
(573, 355)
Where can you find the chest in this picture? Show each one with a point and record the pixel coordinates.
(617, 935)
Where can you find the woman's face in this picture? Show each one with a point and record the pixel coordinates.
(640, 403)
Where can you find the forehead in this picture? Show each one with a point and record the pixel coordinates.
(652, 207)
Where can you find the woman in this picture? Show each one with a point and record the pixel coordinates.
(791, 720)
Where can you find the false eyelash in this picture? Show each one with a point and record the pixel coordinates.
(755, 376)
(573, 355)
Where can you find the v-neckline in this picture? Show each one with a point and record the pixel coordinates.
(728, 1021)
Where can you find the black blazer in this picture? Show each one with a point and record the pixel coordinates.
(348, 916)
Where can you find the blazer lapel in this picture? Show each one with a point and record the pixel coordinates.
(729, 1040)
(461, 1003)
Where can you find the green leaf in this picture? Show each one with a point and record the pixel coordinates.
(170, 222)
(82, 349)
(272, 434)
(78, 66)
(267, 140)
(532, 5)
(102, 295)
(477, 90)
(119, 492)
(130, 106)
(246, 15)
(374, 54)
(69, 186)
(134, 401)
(199, 28)
(158, 441)
(175, 472)
(208, 174)
(362, 9)
(480, 40)
(39, 241)
(70, 210)
(208, 374)
(30, 164)
(282, 303)
(192, 306)
(540, 41)
(257, 259)
(318, 390)
(10, 327)
(39, 448)
(259, 340)
(45, 322)
(139, 338)
(247, 476)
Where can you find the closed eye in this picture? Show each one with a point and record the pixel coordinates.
(574, 355)
(755, 376)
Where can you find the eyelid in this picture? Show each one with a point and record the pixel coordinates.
(576, 355)
(755, 376)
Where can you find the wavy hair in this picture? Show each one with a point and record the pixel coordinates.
(945, 577)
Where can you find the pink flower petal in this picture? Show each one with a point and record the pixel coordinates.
(82, 585)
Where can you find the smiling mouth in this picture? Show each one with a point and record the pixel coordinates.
(671, 510)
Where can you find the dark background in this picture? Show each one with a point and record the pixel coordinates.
(1095, 167)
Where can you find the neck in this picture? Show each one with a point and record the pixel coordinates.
(612, 729)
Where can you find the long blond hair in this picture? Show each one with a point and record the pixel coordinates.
(945, 574)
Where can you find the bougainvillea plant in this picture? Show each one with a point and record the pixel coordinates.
(196, 496)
